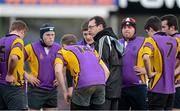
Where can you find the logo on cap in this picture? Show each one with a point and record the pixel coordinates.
(51, 28)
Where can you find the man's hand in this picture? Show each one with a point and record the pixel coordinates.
(70, 91)
(140, 70)
(67, 98)
(151, 75)
(55, 82)
(10, 78)
(33, 80)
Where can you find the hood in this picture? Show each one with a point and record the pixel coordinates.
(107, 31)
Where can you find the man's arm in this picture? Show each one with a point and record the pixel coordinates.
(60, 78)
(147, 64)
(13, 60)
(33, 80)
(177, 70)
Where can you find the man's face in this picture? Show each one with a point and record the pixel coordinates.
(48, 38)
(93, 28)
(87, 37)
(165, 27)
(22, 33)
(128, 31)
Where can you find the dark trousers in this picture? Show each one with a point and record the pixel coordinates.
(111, 104)
(177, 98)
(157, 101)
(12, 97)
(134, 98)
(91, 107)
(41, 98)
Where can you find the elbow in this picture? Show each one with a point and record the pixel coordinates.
(145, 57)
(57, 73)
(14, 58)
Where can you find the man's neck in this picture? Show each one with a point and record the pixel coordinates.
(15, 33)
(173, 32)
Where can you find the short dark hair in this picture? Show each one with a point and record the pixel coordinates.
(171, 20)
(99, 20)
(154, 22)
(18, 25)
(84, 26)
(69, 39)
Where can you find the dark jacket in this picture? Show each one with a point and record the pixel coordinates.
(113, 62)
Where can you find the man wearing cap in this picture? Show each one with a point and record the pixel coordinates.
(42, 92)
(134, 89)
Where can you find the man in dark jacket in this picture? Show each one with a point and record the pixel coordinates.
(97, 28)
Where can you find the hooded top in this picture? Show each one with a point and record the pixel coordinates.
(113, 62)
(107, 31)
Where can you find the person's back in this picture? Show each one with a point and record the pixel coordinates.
(88, 64)
(12, 94)
(164, 63)
(88, 71)
(159, 56)
(6, 44)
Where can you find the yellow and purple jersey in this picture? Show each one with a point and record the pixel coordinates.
(163, 50)
(84, 65)
(133, 57)
(177, 78)
(176, 35)
(12, 45)
(42, 64)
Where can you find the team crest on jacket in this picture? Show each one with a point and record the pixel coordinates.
(41, 56)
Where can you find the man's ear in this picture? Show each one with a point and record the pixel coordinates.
(64, 45)
(101, 26)
(172, 27)
(151, 29)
